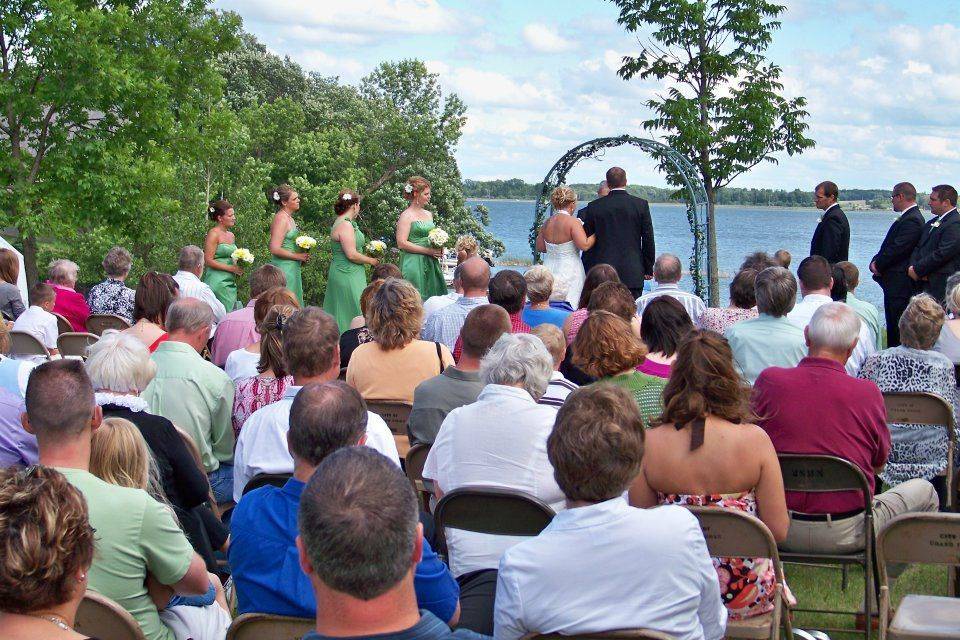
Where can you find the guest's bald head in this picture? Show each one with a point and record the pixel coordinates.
(474, 276)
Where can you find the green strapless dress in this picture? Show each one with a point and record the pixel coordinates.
(291, 268)
(423, 271)
(345, 281)
(223, 283)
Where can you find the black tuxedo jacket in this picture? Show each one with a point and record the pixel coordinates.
(893, 258)
(937, 255)
(831, 238)
(624, 233)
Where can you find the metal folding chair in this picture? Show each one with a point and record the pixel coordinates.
(23, 344)
(75, 343)
(100, 617)
(257, 626)
(99, 322)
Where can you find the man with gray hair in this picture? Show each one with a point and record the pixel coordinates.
(194, 394)
(667, 271)
(499, 440)
(815, 408)
(769, 340)
(189, 271)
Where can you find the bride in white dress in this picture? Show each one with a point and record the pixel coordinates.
(562, 238)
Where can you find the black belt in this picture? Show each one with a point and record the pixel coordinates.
(824, 517)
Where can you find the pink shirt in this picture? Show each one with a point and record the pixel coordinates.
(72, 306)
(237, 330)
(652, 368)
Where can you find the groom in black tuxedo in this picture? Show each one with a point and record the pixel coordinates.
(624, 233)
(937, 255)
(831, 238)
(889, 266)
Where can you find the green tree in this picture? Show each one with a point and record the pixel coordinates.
(725, 110)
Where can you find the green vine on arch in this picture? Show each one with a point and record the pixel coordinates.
(692, 191)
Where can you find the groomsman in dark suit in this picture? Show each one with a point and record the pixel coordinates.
(831, 238)
(937, 255)
(889, 266)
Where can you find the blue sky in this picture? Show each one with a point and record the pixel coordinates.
(538, 77)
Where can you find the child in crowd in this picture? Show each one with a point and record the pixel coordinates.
(38, 320)
(783, 257)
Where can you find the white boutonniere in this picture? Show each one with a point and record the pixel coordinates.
(935, 224)
(820, 219)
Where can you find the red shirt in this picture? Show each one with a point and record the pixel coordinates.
(71, 306)
(517, 325)
(817, 408)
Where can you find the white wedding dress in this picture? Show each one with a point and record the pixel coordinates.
(564, 263)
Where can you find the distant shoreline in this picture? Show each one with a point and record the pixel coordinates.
(680, 204)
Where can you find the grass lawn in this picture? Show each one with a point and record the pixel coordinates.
(819, 588)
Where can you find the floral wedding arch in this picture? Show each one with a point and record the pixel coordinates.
(691, 188)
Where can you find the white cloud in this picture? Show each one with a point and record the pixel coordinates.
(545, 39)
(915, 68)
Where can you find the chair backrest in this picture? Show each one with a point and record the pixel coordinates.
(100, 617)
(729, 532)
(75, 343)
(263, 479)
(922, 538)
(257, 626)
(395, 414)
(619, 634)
(918, 408)
(493, 510)
(414, 461)
(63, 325)
(26, 344)
(99, 322)
(817, 474)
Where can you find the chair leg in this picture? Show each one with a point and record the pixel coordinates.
(845, 575)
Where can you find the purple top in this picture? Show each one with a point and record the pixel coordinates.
(237, 330)
(654, 369)
(17, 447)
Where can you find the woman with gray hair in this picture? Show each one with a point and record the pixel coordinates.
(69, 304)
(540, 287)
(948, 343)
(917, 451)
(112, 295)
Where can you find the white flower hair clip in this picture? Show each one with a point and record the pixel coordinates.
(408, 188)
(211, 209)
(347, 196)
(276, 196)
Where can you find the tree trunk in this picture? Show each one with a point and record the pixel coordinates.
(713, 274)
(30, 250)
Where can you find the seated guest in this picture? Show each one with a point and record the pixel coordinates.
(868, 313)
(663, 325)
(783, 258)
(245, 362)
(509, 290)
(833, 522)
(11, 302)
(155, 293)
(70, 304)
(499, 440)
(769, 340)
(360, 546)
(360, 334)
(838, 292)
(816, 281)
(392, 366)
(597, 275)
(948, 342)
(272, 379)
(189, 270)
(38, 320)
(112, 295)
(596, 448)
(608, 350)
(62, 413)
(758, 261)
(917, 451)
(559, 387)
(434, 303)
(194, 394)
(263, 528)
(17, 446)
(743, 304)
(46, 548)
(460, 384)
(667, 271)
(444, 325)
(310, 354)
(238, 329)
(696, 457)
(466, 247)
(381, 271)
(539, 289)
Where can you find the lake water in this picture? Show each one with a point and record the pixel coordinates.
(740, 230)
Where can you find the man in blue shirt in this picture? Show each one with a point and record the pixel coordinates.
(263, 550)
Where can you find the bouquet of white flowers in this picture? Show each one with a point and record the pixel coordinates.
(306, 242)
(376, 248)
(438, 237)
(242, 255)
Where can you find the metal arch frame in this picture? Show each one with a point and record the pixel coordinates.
(692, 187)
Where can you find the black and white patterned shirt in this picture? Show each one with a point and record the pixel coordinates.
(112, 296)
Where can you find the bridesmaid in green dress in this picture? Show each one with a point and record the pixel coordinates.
(346, 279)
(283, 234)
(220, 272)
(418, 259)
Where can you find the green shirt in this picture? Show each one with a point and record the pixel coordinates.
(647, 390)
(765, 342)
(871, 316)
(135, 535)
(197, 396)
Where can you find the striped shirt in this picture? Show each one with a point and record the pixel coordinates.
(693, 304)
(444, 325)
(557, 390)
(192, 287)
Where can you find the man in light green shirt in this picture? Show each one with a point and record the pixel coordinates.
(769, 340)
(868, 313)
(194, 394)
(136, 536)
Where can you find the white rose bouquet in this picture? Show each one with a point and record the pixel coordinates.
(306, 242)
(438, 237)
(376, 248)
(242, 255)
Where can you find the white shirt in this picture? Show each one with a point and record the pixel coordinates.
(498, 441)
(435, 303)
(262, 445)
(835, 204)
(803, 312)
(694, 305)
(41, 324)
(193, 287)
(242, 364)
(658, 556)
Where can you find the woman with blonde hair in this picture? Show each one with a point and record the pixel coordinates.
(419, 260)
(562, 238)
